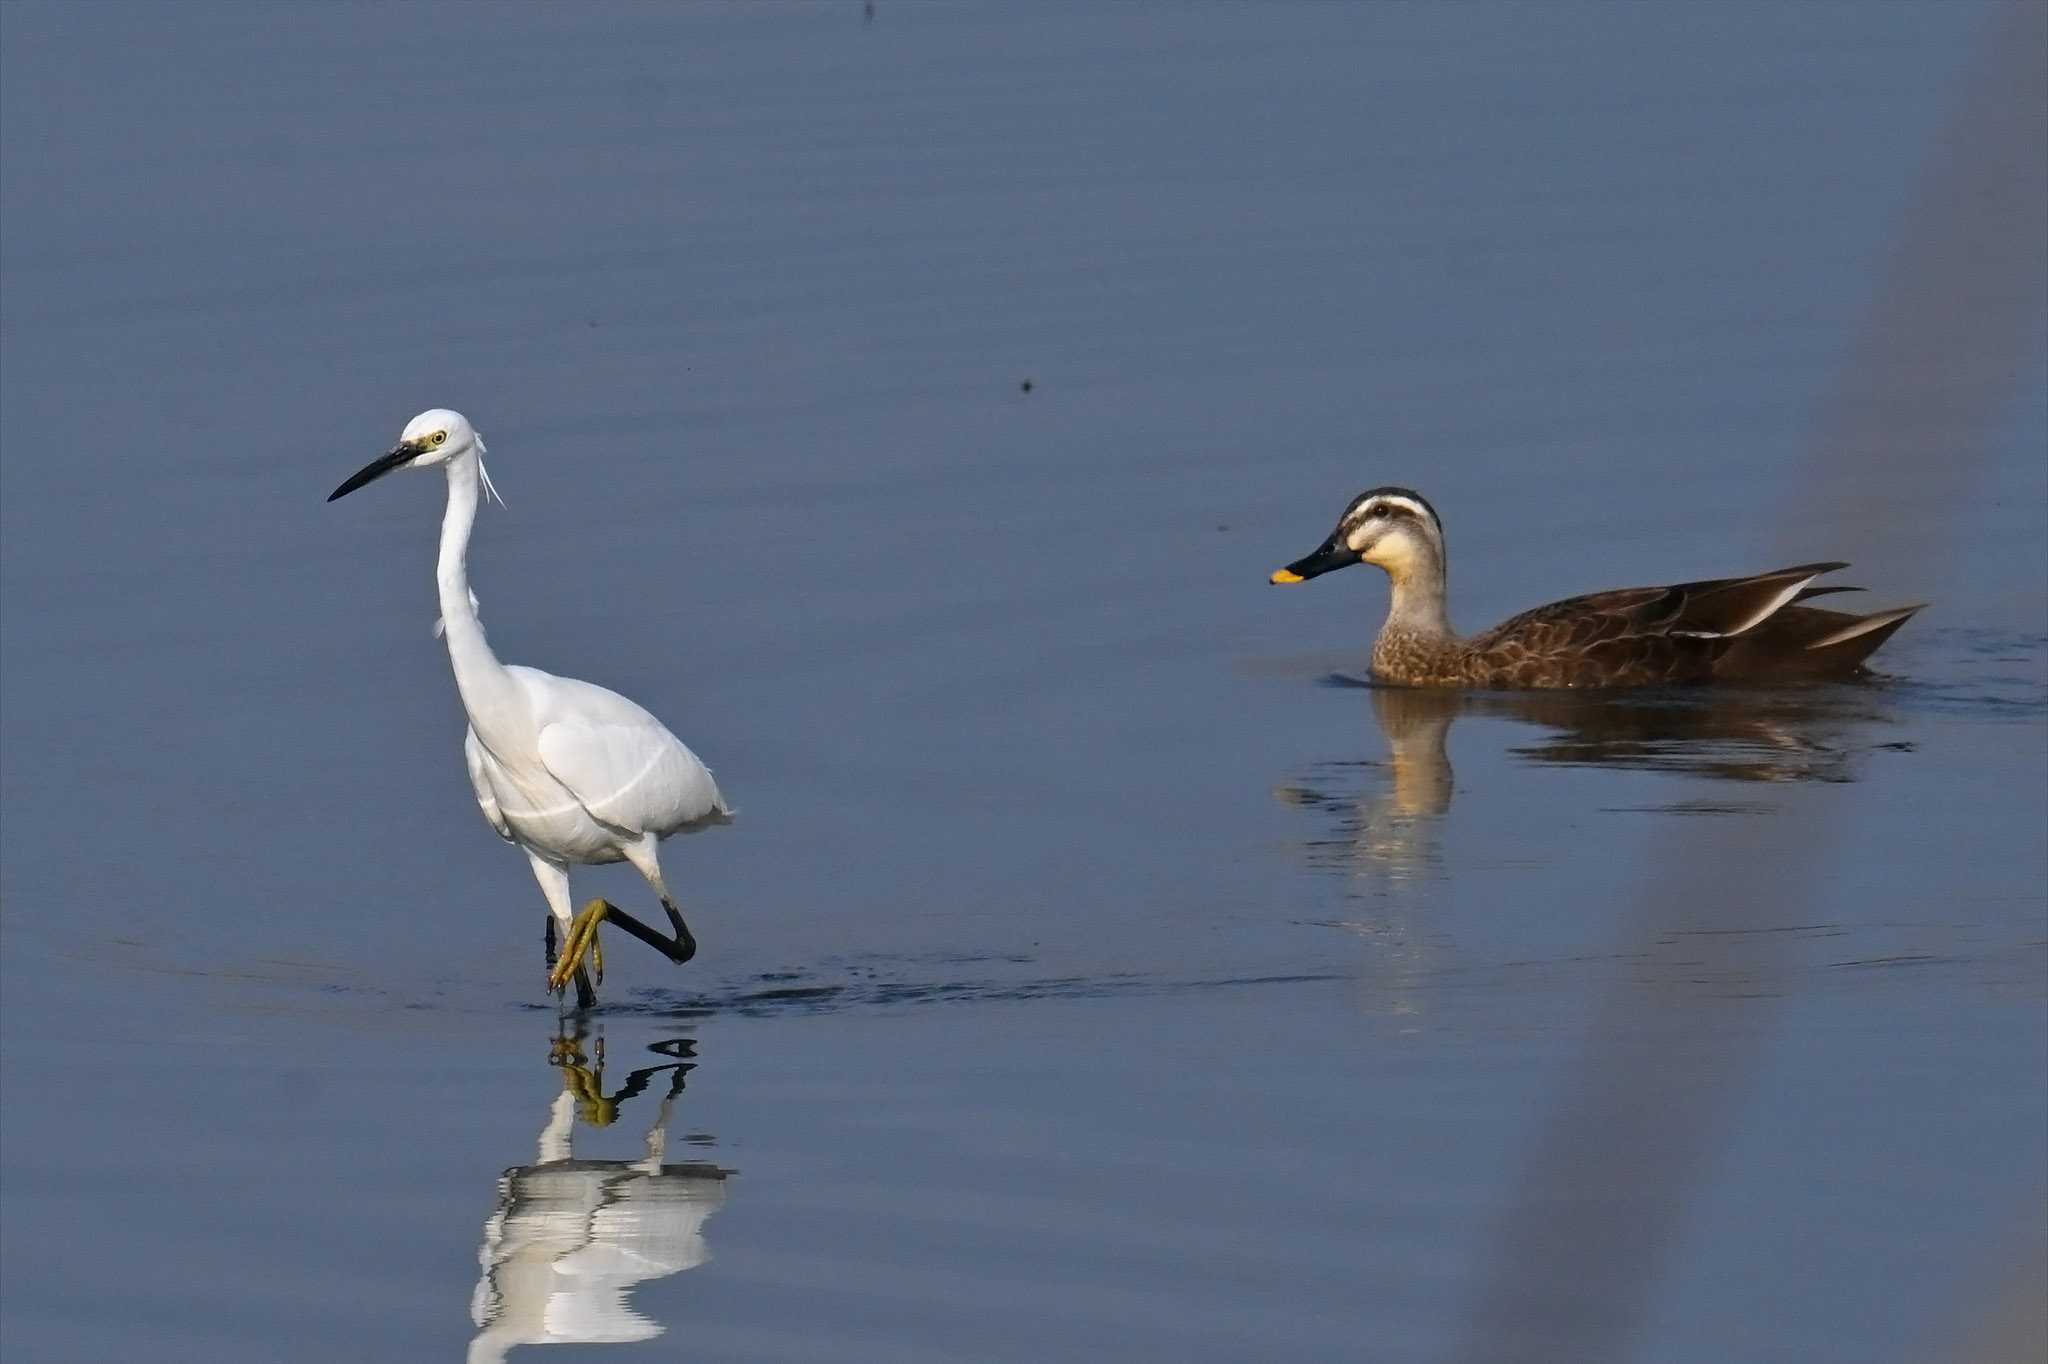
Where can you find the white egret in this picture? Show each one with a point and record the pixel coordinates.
(570, 772)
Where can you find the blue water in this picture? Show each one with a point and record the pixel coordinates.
(1092, 972)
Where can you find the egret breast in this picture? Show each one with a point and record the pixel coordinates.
(545, 817)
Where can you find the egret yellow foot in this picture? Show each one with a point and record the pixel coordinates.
(581, 943)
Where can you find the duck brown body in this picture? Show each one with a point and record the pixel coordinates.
(1720, 630)
(1627, 639)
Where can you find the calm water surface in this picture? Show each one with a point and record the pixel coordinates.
(1095, 971)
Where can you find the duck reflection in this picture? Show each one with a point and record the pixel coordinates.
(570, 1238)
(1385, 842)
(1389, 829)
(1819, 734)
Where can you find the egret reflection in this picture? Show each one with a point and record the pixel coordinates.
(571, 1238)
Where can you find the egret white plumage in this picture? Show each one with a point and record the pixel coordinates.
(570, 772)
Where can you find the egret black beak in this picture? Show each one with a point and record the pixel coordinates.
(396, 457)
(1333, 553)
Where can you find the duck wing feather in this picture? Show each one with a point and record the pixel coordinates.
(1635, 636)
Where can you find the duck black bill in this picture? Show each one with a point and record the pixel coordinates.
(396, 457)
(1333, 553)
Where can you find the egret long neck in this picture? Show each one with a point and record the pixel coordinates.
(485, 685)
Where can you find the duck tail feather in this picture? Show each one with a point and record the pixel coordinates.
(1721, 610)
(1863, 626)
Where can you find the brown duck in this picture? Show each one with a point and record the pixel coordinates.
(1723, 630)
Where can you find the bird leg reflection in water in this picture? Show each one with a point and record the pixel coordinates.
(585, 1082)
(570, 1237)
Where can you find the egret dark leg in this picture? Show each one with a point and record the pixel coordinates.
(578, 946)
(682, 946)
(582, 938)
(678, 949)
(554, 884)
(586, 995)
(685, 945)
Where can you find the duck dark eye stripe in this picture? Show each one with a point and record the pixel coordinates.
(1399, 501)
(1385, 507)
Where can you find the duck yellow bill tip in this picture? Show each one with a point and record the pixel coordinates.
(1281, 575)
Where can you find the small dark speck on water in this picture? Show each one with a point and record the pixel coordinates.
(1025, 387)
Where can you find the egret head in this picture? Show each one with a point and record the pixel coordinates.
(1395, 528)
(436, 436)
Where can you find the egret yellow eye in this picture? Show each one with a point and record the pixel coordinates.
(437, 438)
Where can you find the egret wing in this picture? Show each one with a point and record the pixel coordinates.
(630, 773)
(473, 758)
